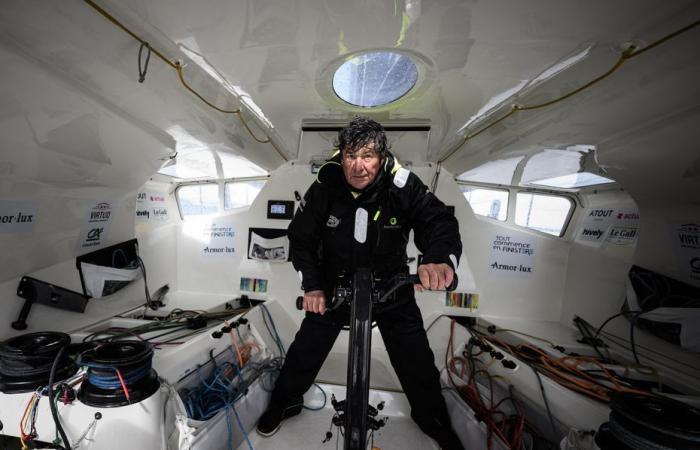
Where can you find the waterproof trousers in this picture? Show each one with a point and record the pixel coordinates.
(406, 342)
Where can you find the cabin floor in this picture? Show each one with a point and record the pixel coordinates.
(308, 429)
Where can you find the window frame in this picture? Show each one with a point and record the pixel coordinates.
(569, 215)
(513, 191)
(197, 183)
(263, 178)
(221, 185)
(492, 188)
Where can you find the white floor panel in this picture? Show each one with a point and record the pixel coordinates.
(308, 429)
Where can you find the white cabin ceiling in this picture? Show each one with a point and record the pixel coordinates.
(277, 55)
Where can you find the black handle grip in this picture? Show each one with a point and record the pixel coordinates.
(300, 303)
(414, 279)
(21, 322)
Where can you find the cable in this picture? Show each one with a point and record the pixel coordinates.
(544, 399)
(240, 425)
(324, 400)
(623, 313)
(178, 68)
(52, 405)
(634, 349)
(273, 330)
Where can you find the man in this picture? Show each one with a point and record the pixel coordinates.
(358, 214)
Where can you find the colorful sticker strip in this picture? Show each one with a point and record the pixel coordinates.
(462, 300)
(253, 285)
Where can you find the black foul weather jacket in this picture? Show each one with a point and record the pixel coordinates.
(335, 230)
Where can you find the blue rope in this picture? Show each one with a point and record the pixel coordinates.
(240, 425)
(273, 332)
(111, 380)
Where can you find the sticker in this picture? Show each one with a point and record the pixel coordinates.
(615, 226)
(95, 228)
(512, 255)
(253, 285)
(594, 227)
(462, 300)
(159, 213)
(622, 235)
(273, 249)
(361, 217)
(332, 222)
(220, 240)
(401, 177)
(686, 240)
(151, 206)
(17, 217)
(143, 214)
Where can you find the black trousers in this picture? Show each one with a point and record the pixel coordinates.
(407, 344)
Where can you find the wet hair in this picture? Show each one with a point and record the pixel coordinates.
(360, 132)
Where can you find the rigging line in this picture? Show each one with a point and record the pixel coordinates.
(178, 68)
(245, 124)
(111, 18)
(629, 53)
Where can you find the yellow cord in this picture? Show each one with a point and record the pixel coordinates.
(629, 53)
(178, 68)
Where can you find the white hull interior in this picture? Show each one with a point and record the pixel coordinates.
(79, 135)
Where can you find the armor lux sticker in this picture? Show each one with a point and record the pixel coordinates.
(95, 228)
(512, 255)
(17, 217)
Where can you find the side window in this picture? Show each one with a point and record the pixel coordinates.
(241, 193)
(546, 213)
(198, 199)
(491, 203)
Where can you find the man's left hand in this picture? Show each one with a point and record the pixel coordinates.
(434, 276)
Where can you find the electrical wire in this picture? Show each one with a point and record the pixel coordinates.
(509, 429)
(325, 399)
(52, 405)
(626, 55)
(272, 329)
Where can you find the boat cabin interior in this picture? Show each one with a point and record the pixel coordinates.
(154, 152)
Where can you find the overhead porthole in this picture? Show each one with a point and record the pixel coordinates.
(375, 78)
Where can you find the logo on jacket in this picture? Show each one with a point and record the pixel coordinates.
(333, 221)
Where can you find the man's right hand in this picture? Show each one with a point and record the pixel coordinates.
(315, 301)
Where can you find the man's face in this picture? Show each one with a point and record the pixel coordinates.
(361, 165)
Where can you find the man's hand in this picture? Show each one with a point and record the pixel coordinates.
(315, 301)
(434, 276)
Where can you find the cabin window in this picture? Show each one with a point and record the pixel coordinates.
(492, 203)
(238, 194)
(198, 199)
(375, 78)
(546, 213)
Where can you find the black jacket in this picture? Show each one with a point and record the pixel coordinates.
(321, 235)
